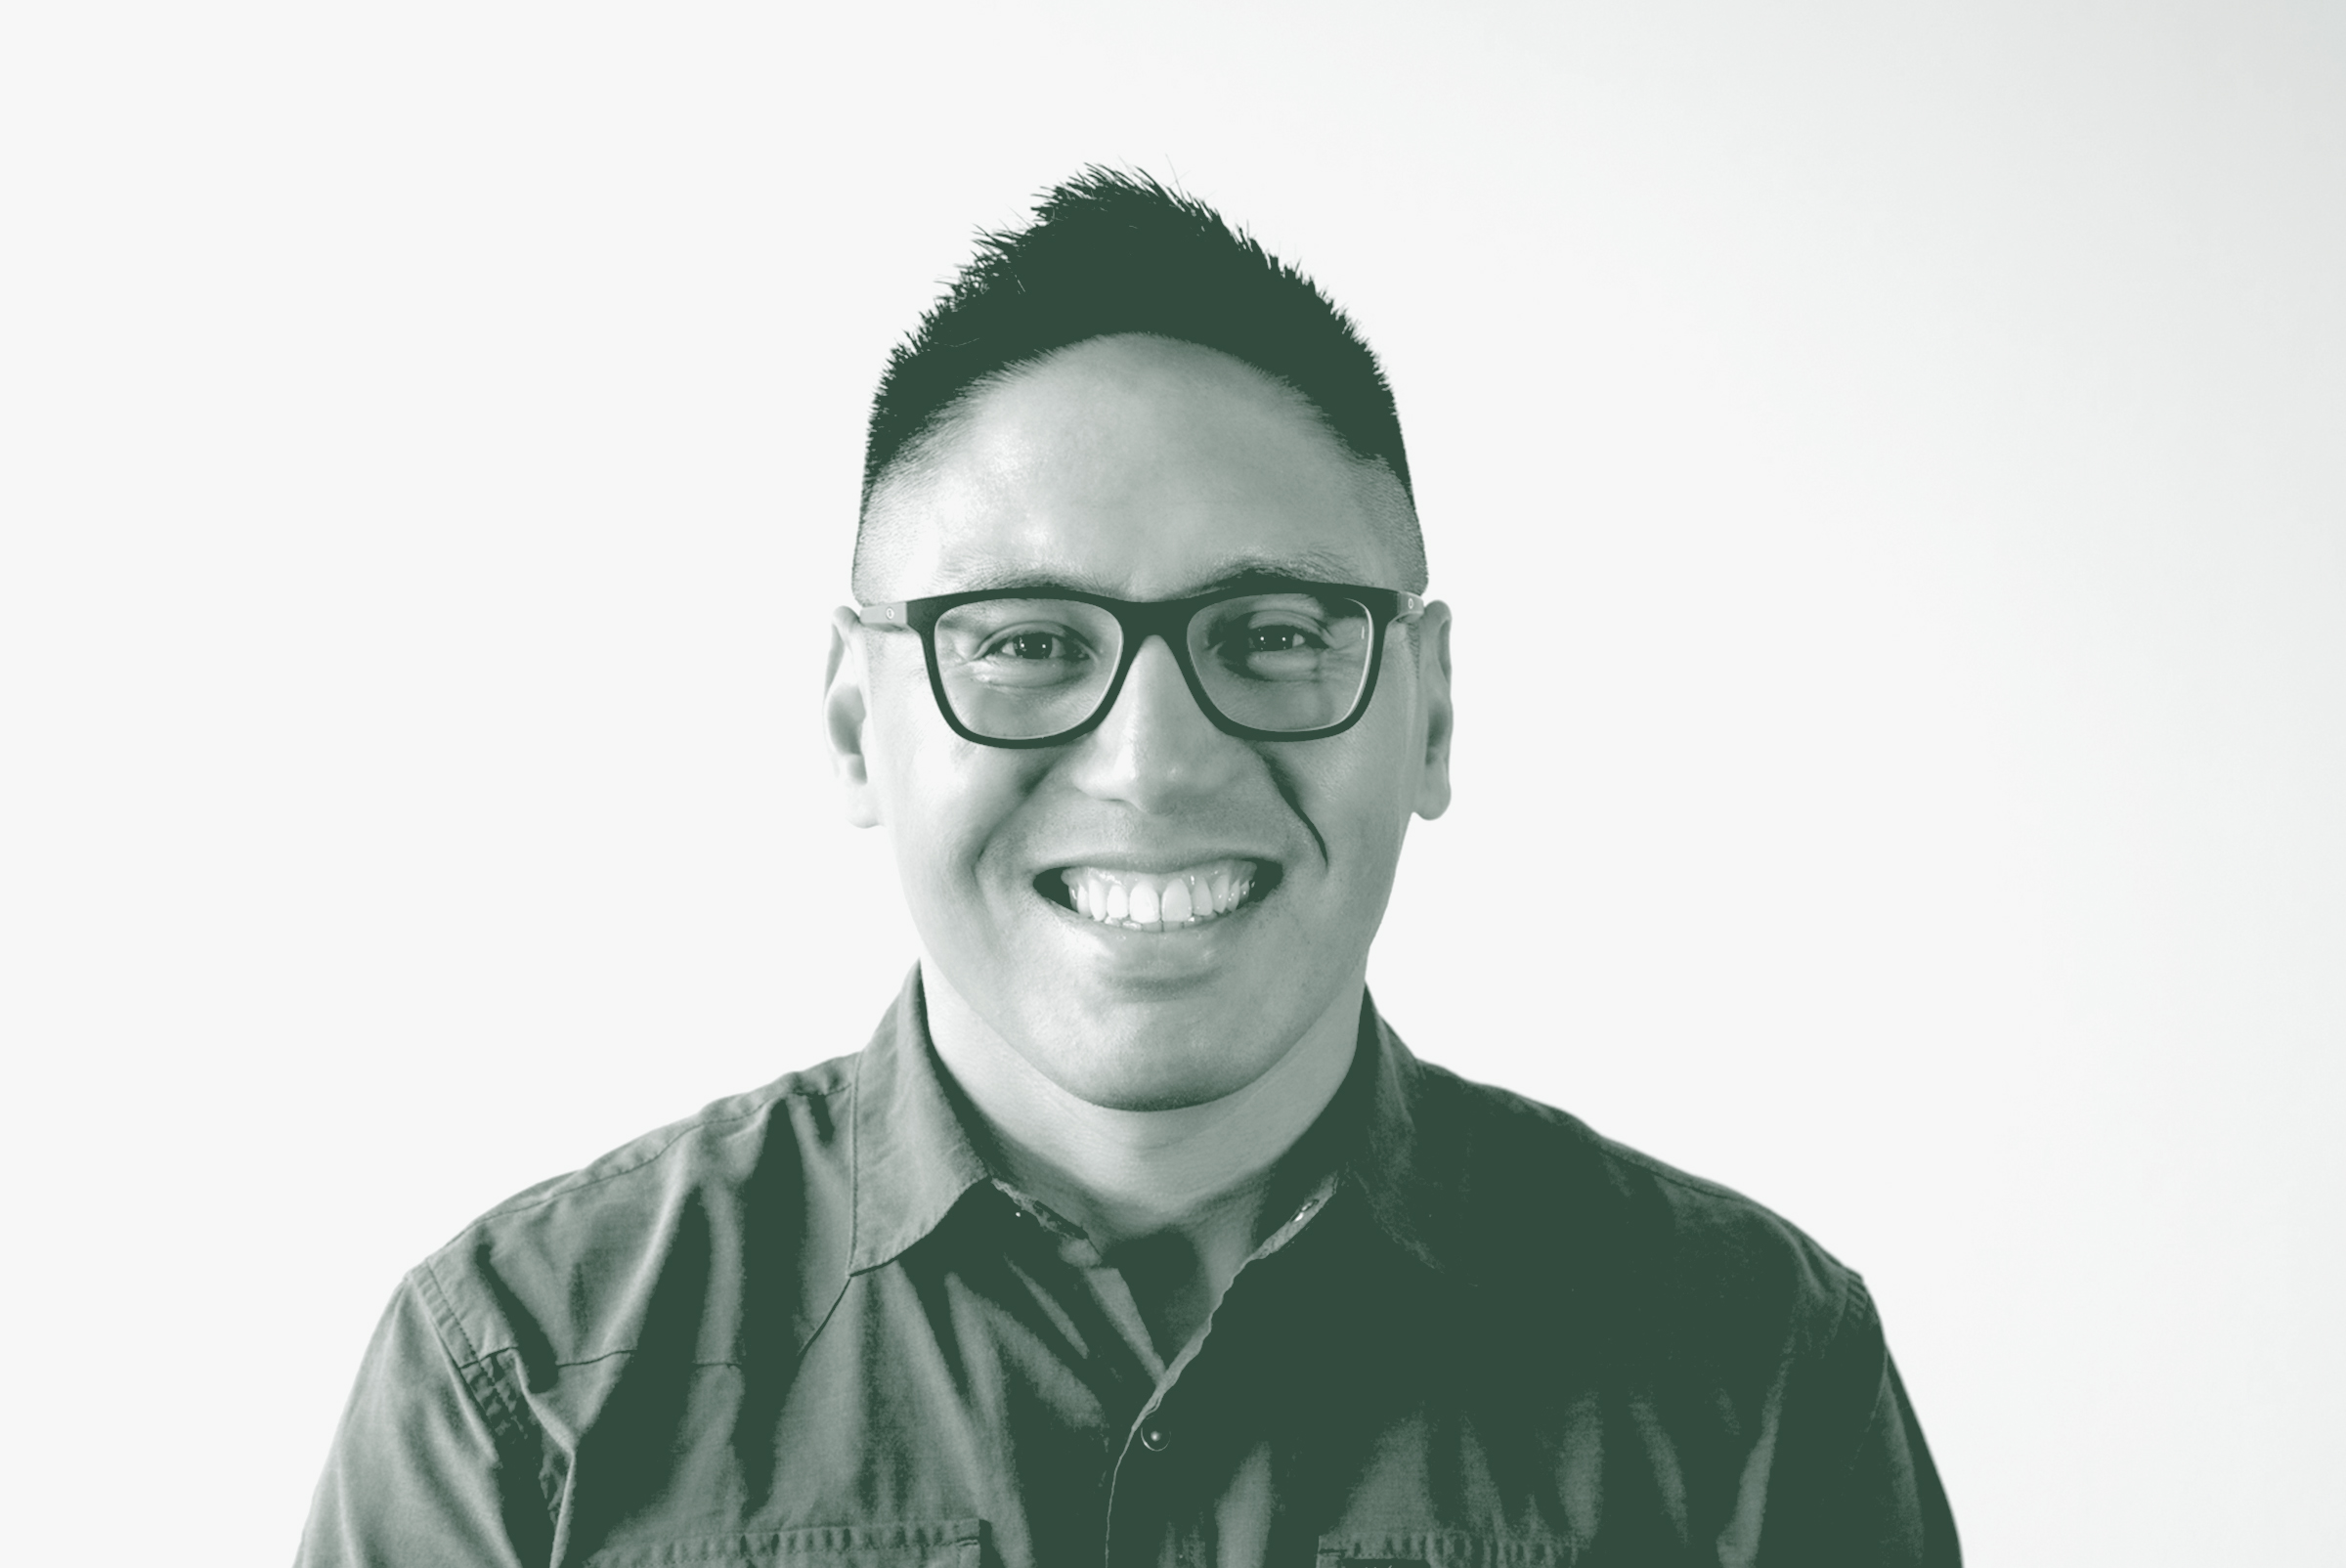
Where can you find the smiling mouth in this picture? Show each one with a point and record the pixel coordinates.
(1153, 901)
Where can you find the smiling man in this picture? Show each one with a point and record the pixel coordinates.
(1135, 1235)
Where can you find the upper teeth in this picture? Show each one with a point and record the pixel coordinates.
(1151, 900)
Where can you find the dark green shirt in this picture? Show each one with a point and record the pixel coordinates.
(807, 1327)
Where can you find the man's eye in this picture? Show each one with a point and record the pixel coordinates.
(1039, 646)
(1282, 639)
(1028, 658)
(1282, 649)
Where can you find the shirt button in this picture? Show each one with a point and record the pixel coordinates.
(1153, 1439)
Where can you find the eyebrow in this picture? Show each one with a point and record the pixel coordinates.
(1309, 565)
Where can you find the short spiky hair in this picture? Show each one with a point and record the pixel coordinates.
(1109, 253)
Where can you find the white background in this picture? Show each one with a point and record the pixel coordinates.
(1888, 464)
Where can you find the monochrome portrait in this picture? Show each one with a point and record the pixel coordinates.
(1021, 787)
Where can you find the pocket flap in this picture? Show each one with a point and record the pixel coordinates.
(950, 1544)
(1441, 1549)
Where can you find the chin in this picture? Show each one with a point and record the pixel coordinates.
(1154, 1070)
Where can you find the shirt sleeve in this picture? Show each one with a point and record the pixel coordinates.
(1869, 1492)
(418, 1476)
(1913, 1524)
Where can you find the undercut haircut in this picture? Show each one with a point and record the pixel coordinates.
(1110, 254)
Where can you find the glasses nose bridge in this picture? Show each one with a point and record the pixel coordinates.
(1168, 622)
(1166, 619)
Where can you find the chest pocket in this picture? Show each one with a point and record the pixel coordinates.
(1441, 1549)
(952, 1544)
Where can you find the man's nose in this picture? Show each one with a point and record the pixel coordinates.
(1156, 750)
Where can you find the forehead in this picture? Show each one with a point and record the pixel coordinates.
(1135, 467)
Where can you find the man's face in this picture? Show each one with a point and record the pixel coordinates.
(1143, 469)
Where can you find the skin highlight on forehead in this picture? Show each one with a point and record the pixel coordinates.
(984, 459)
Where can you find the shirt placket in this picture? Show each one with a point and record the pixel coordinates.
(1162, 1504)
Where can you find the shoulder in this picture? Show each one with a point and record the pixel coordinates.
(725, 1141)
(669, 1235)
(1540, 1202)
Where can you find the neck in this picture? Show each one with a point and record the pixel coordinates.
(1126, 1175)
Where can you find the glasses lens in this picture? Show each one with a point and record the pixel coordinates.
(1284, 662)
(1022, 669)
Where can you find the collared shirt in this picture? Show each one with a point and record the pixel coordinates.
(807, 1327)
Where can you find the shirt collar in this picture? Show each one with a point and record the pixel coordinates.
(914, 1158)
(1376, 1124)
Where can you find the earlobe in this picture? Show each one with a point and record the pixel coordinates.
(1433, 687)
(844, 711)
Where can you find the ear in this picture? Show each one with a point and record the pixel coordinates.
(845, 708)
(1433, 697)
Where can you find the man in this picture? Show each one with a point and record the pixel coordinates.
(1135, 1235)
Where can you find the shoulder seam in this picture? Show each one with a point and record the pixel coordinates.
(515, 1422)
(578, 1181)
(1663, 1171)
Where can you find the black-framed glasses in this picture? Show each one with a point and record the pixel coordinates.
(1268, 658)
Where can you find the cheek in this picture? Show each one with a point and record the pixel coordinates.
(1356, 796)
(946, 802)
(1372, 779)
(908, 751)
